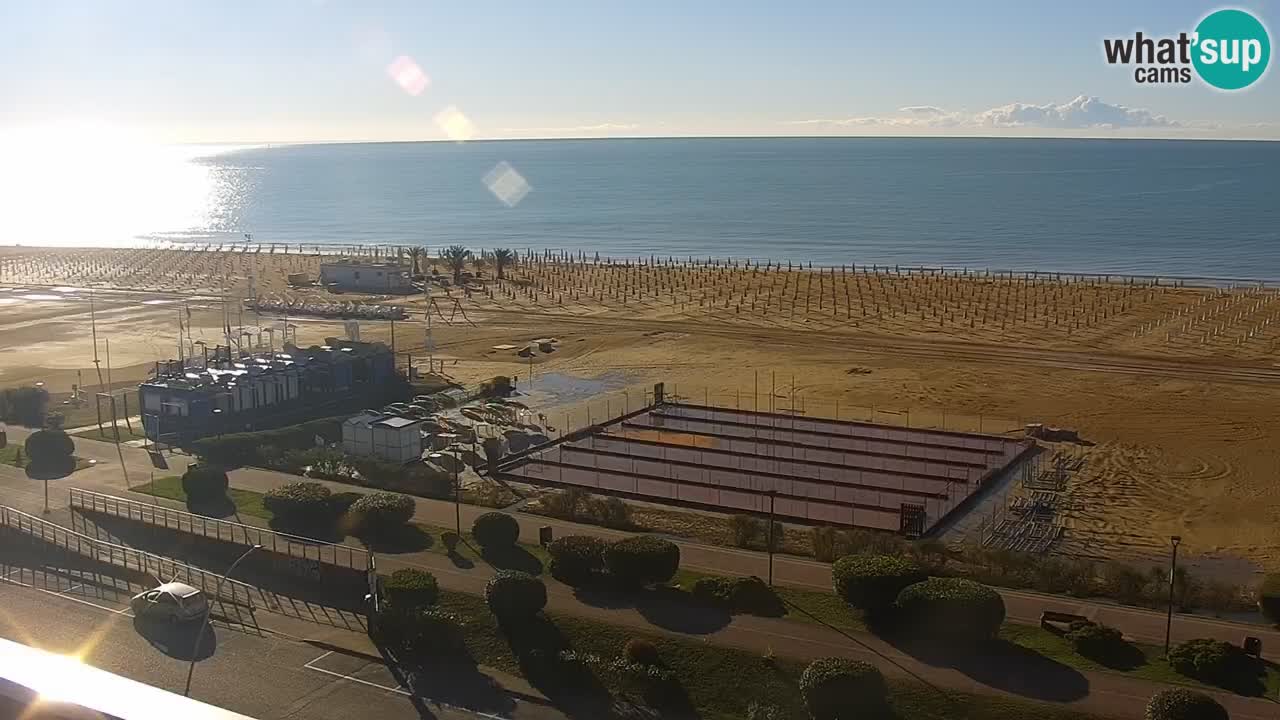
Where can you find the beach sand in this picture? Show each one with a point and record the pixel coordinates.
(1175, 387)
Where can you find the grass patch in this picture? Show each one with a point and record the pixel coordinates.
(108, 435)
(721, 682)
(247, 502)
(16, 456)
(811, 606)
(1152, 666)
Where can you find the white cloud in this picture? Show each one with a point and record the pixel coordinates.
(1082, 113)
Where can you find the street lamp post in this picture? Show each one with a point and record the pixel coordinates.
(195, 649)
(1173, 568)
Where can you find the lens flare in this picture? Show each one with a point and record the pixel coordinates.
(506, 184)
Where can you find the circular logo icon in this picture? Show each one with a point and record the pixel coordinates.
(1232, 49)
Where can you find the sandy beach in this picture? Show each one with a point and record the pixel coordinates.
(1174, 389)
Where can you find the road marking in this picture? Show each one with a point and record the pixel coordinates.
(398, 690)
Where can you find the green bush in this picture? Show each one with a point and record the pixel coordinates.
(411, 589)
(496, 531)
(380, 512)
(1098, 642)
(204, 483)
(301, 505)
(842, 689)
(872, 582)
(419, 635)
(952, 608)
(641, 652)
(237, 449)
(642, 560)
(610, 512)
(576, 558)
(742, 595)
(49, 449)
(1183, 704)
(825, 542)
(515, 595)
(1269, 597)
(1209, 660)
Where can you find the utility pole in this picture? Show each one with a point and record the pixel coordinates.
(773, 494)
(1173, 569)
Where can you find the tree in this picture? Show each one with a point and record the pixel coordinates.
(1183, 704)
(301, 505)
(415, 254)
(642, 560)
(411, 590)
(50, 449)
(502, 258)
(456, 256)
(842, 689)
(872, 582)
(515, 595)
(24, 406)
(1269, 597)
(380, 512)
(1098, 642)
(204, 483)
(496, 531)
(951, 608)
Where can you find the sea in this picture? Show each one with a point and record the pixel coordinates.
(1204, 209)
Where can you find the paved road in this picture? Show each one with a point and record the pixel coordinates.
(261, 675)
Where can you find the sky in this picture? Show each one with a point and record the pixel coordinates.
(261, 71)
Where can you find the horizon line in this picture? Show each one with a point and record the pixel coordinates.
(536, 138)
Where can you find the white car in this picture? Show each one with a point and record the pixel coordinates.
(173, 601)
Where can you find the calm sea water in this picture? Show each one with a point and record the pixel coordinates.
(1126, 206)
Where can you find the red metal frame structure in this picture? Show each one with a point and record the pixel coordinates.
(826, 471)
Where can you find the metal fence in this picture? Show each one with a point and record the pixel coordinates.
(285, 544)
(162, 569)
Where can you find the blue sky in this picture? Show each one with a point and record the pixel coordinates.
(317, 70)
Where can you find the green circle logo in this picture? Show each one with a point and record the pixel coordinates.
(1231, 49)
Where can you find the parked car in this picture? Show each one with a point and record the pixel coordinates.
(173, 601)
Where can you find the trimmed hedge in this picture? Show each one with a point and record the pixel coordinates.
(641, 652)
(300, 505)
(246, 448)
(204, 483)
(1212, 661)
(1099, 642)
(843, 689)
(1269, 597)
(411, 590)
(872, 582)
(576, 558)
(1183, 704)
(515, 595)
(951, 608)
(380, 512)
(642, 560)
(743, 595)
(496, 531)
(420, 634)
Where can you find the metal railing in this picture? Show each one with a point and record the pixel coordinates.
(160, 568)
(292, 545)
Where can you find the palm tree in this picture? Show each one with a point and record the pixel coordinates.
(502, 257)
(414, 254)
(455, 256)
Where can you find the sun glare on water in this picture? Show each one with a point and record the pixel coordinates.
(88, 185)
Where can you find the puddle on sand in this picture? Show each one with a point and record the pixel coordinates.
(561, 389)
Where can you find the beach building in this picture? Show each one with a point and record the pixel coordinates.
(390, 438)
(367, 277)
(230, 392)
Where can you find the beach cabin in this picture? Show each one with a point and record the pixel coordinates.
(366, 277)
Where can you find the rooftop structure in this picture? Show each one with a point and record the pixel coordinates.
(390, 438)
(229, 391)
(370, 277)
(817, 470)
